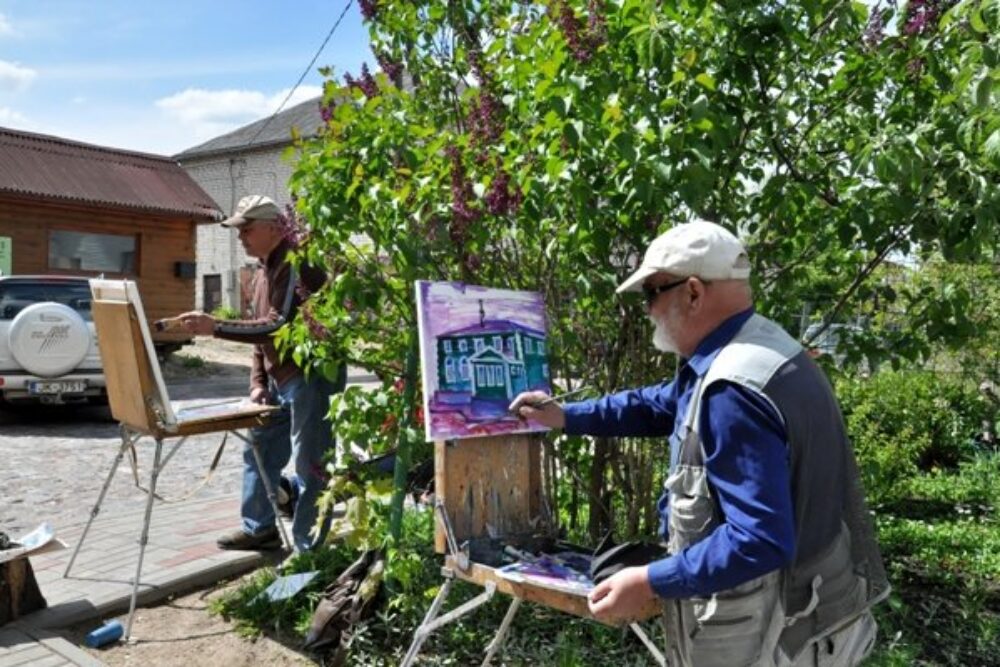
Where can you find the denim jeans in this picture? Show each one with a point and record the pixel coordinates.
(298, 430)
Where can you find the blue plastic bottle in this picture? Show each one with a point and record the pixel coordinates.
(107, 633)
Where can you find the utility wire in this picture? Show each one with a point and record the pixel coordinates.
(304, 74)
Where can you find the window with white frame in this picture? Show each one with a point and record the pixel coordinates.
(447, 346)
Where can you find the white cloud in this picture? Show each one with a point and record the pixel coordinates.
(5, 27)
(11, 117)
(14, 77)
(205, 114)
(195, 105)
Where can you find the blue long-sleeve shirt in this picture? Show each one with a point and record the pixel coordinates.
(746, 461)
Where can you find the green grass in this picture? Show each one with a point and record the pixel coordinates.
(190, 360)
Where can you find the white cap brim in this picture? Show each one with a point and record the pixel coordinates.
(634, 282)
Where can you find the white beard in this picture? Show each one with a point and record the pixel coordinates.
(663, 339)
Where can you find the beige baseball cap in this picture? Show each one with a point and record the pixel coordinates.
(695, 249)
(250, 208)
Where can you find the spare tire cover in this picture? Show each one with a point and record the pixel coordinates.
(48, 339)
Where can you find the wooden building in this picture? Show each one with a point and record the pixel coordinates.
(68, 208)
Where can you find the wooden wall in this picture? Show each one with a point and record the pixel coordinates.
(162, 241)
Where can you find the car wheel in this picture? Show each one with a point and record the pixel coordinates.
(48, 339)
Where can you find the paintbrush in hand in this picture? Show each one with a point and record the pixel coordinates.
(537, 405)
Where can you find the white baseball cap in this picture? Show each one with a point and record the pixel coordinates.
(695, 249)
(250, 208)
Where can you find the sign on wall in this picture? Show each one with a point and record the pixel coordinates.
(6, 256)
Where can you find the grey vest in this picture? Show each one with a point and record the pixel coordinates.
(837, 571)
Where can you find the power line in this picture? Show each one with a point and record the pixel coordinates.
(305, 73)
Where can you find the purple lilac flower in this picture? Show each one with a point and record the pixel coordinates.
(922, 15)
(462, 215)
(597, 27)
(366, 83)
(486, 119)
(326, 111)
(293, 228)
(875, 30)
(500, 200)
(369, 9)
(393, 69)
(582, 41)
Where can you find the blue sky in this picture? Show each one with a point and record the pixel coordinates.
(162, 76)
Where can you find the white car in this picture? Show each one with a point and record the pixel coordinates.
(48, 345)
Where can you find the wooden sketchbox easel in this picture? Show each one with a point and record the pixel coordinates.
(487, 487)
(139, 402)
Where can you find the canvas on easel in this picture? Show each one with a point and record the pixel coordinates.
(138, 399)
(479, 348)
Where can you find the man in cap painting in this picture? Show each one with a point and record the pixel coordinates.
(771, 556)
(299, 429)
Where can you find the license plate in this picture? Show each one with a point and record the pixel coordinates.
(57, 387)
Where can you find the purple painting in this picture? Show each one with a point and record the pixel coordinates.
(479, 348)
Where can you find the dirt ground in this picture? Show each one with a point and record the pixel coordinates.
(182, 633)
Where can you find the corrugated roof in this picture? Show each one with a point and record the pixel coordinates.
(55, 168)
(305, 117)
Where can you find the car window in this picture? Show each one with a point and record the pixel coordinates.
(15, 296)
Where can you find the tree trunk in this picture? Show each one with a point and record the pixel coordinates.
(19, 592)
(600, 511)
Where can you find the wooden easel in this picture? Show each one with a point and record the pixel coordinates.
(492, 486)
(139, 402)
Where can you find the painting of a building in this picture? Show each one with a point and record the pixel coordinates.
(480, 347)
(497, 359)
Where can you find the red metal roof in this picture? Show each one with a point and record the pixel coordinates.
(54, 168)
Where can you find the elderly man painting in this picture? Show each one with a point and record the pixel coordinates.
(772, 559)
(299, 430)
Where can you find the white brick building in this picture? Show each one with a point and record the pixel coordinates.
(243, 162)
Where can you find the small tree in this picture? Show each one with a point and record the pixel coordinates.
(542, 146)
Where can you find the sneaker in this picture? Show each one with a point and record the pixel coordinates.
(240, 541)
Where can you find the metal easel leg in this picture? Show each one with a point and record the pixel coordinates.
(127, 441)
(144, 536)
(501, 635)
(418, 636)
(269, 489)
(650, 646)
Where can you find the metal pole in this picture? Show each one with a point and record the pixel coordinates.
(418, 636)
(126, 443)
(144, 536)
(501, 635)
(656, 653)
(270, 494)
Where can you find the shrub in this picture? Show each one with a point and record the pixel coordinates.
(906, 422)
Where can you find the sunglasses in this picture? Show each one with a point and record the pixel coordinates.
(651, 292)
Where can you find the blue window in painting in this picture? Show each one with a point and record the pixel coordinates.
(447, 346)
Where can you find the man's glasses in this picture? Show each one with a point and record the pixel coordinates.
(651, 292)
